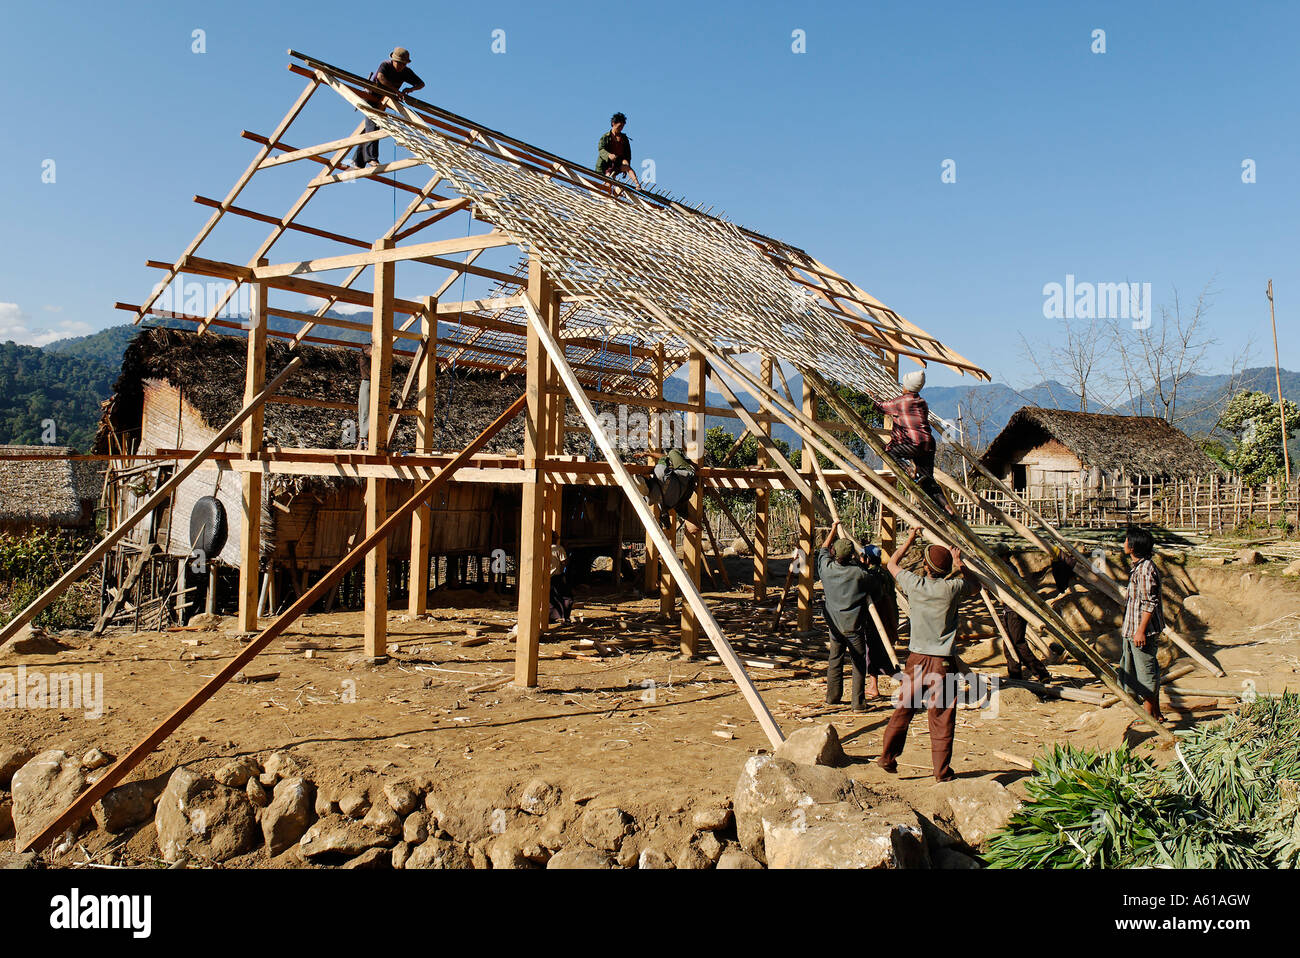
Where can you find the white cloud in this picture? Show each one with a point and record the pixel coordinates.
(15, 326)
(341, 309)
(52, 309)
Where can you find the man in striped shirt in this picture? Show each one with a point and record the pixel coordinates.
(1144, 620)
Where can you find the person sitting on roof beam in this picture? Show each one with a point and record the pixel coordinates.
(390, 75)
(614, 151)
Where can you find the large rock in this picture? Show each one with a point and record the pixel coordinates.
(237, 772)
(200, 817)
(402, 797)
(838, 835)
(539, 797)
(41, 788)
(126, 806)
(372, 858)
(734, 858)
(12, 758)
(337, 836)
(653, 858)
(438, 853)
(711, 818)
(507, 852)
(579, 857)
(813, 745)
(1250, 557)
(771, 789)
(1293, 568)
(280, 765)
(290, 814)
(979, 807)
(605, 828)
(468, 818)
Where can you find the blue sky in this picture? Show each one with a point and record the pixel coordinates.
(1116, 166)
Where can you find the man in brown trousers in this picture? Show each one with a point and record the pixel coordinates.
(932, 608)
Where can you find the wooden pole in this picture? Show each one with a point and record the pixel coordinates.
(534, 549)
(762, 501)
(381, 372)
(250, 519)
(692, 548)
(426, 400)
(807, 518)
(1281, 407)
(690, 593)
(81, 807)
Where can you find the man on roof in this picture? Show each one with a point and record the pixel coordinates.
(390, 75)
(614, 151)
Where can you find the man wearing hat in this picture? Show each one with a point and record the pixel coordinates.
(390, 75)
(846, 586)
(910, 438)
(932, 602)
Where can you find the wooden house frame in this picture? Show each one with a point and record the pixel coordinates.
(612, 289)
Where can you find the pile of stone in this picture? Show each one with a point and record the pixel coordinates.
(793, 809)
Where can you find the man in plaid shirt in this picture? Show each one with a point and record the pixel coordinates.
(1144, 620)
(911, 438)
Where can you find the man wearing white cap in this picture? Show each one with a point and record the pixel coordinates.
(911, 438)
(390, 75)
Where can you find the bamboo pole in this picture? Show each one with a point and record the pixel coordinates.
(668, 555)
(1281, 407)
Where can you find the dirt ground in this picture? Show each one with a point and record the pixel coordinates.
(640, 727)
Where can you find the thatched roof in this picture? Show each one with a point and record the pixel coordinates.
(1132, 444)
(46, 491)
(209, 371)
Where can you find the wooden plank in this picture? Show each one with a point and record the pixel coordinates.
(692, 551)
(426, 402)
(250, 516)
(381, 371)
(118, 771)
(385, 254)
(667, 554)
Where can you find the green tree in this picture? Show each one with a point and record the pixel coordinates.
(1254, 421)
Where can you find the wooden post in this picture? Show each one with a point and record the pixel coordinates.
(534, 549)
(690, 594)
(888, 524)
(762, 498)
(667, 587)
(654, 446)
(426, 400)
(807, 518)
(250, 518)
(381, 372)
(692, 547)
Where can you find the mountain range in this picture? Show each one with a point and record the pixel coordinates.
(67, 379)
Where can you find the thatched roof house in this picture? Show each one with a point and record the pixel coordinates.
(1055, 447)
(177, 388)
(47, 491)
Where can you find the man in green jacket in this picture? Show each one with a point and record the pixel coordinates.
(932, 602)
(846, 588)
(614, 151)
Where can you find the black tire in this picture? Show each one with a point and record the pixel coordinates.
(208, 526)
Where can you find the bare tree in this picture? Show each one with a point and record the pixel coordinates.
(1156, 361)
(1072, 357)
